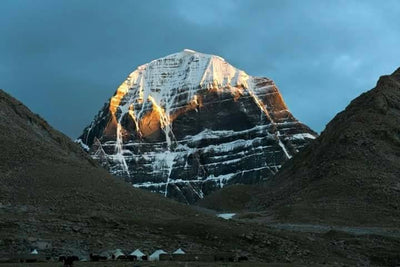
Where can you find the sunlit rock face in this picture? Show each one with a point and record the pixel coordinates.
(190, 123)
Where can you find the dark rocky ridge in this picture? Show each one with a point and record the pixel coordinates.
(188, 124)
(349, 175)
(53, 198)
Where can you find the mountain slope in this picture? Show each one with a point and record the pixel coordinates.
(189, 123)
(348, 175)
(53, 197)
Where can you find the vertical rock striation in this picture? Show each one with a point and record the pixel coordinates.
(189, 123)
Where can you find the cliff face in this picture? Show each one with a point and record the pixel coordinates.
(189, 123)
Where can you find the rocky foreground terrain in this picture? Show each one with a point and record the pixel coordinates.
(190, 123)
(350, 175)
(56, 199)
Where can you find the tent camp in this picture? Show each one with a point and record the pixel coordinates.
(138, 254)
(156, 255)
(179, 251)
(34, 252)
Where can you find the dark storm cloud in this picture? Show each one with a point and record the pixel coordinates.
(64, 59)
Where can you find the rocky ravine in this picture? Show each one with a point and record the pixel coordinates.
(189, 123)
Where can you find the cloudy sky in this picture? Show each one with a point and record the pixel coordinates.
(64, 59)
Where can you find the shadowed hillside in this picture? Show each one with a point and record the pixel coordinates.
(349, 175)
(55, 199)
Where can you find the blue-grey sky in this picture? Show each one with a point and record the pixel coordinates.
(64, 59)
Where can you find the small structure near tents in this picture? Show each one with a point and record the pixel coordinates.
(156, 255)
(97, 257)
(68, 260)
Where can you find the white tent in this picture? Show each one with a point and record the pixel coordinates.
(138, 254)
(179, 251)
(34, 252)
(117, 253)
(226, 216)
(156, 255)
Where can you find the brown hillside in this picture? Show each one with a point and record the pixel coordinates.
(349, 175)
(55, 199)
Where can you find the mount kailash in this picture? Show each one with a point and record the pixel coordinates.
(189, 123)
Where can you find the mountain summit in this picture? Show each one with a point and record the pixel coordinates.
(188, 123)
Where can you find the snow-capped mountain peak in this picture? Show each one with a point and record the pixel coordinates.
(163, 114)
